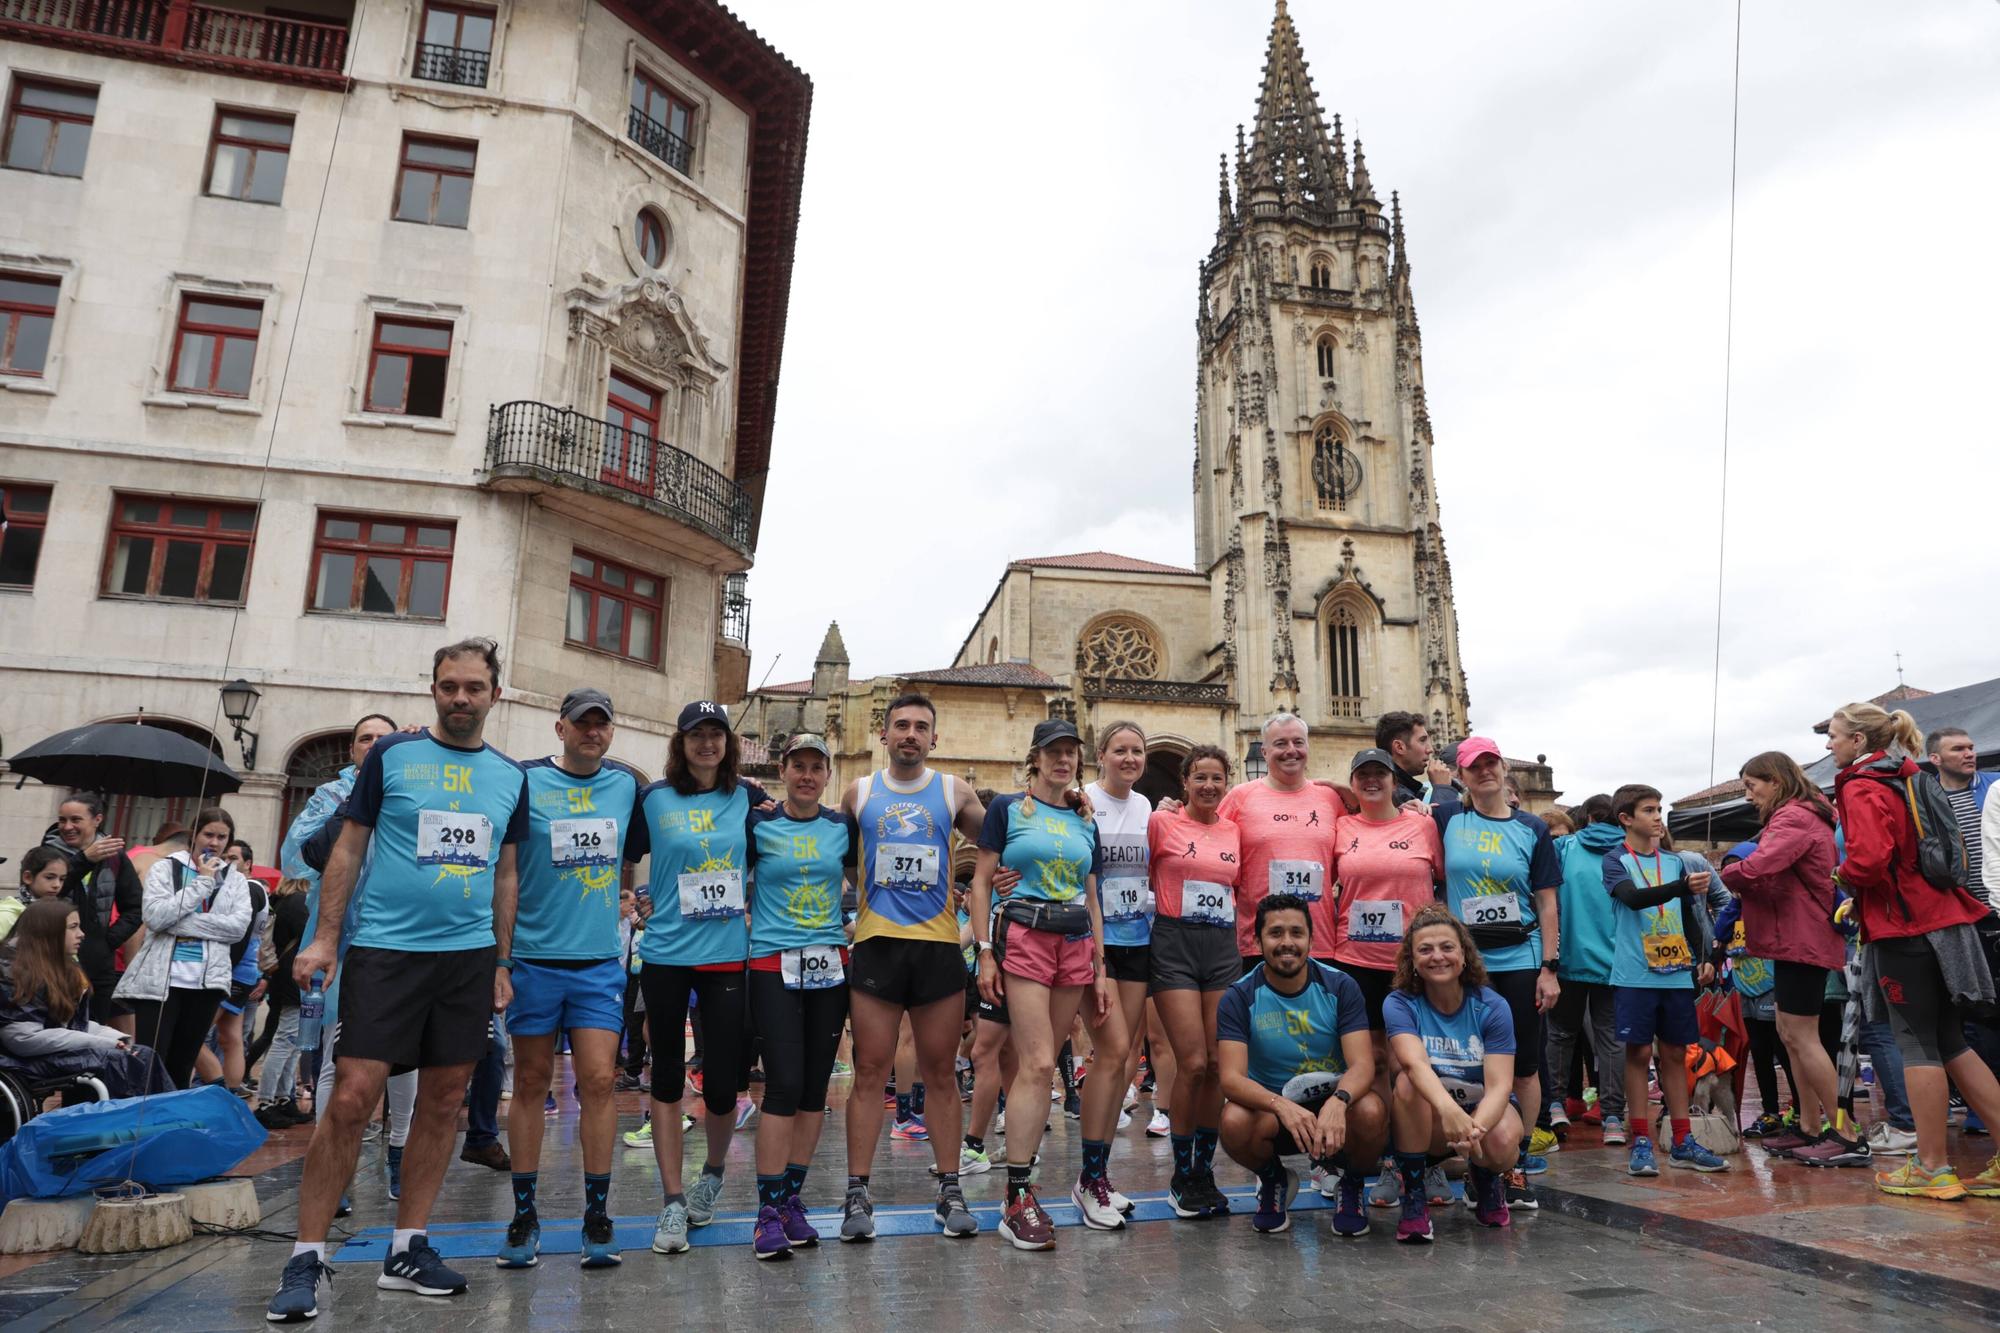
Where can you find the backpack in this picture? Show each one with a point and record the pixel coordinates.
(1940, 847)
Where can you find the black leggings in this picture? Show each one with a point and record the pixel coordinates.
(1832, 1016)
(1929, 1029)
(724, 1016)
(1767, 1054)
(635, 1050)
(176, 1027)
(801, 1034)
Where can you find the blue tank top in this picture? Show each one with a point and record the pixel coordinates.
(905, 884)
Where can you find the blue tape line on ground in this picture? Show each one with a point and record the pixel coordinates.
(482, 1240)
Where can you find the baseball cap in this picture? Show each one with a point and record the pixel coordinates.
(581, 700)
(700, 711)
(1054, 729)
(1472, 748)
(1363, 758)
(806, 740)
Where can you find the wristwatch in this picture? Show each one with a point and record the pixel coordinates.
(1551, 964)
(1340, 1095)
(507, 963)
(985, 946)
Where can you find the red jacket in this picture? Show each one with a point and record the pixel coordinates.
(1894, 898)
(1787, 889)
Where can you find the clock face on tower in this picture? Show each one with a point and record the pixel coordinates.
(1336, 470)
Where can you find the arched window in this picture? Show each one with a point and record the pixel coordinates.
(1322, 273)
(1120, 647)
(1336, 471)
(1326, 356)
(317, 760)
(1343, 655)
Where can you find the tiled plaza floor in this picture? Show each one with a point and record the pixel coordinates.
(1763, 1246)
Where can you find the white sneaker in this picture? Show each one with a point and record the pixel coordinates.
(1885, 1138)
(1000, 1121)
(1131, 1097)
(1326, 1182)
(1124, 1119)
(1160, 1126)
(1093, 1204)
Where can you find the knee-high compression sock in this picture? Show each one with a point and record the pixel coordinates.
(524, 1193)
(1204, 1149)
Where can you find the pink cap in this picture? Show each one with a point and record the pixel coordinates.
(1475, 747)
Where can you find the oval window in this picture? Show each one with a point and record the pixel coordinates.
(651, 234)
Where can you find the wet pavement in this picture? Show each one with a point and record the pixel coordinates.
(1767, 1244)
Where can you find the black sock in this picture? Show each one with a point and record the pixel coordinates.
(770, 1190)
(857, 1182)
(596, 1195)
(712, 1169)
(903, 1100)
(917, 1098)
(1066, 1062)
(1411, 1166)
(1018, 1178)
(524, 1193)
(974, 1142)
(795, 1179)
(947, 1180)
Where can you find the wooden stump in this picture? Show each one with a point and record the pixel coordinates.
(30, 1226)
(120, 1226)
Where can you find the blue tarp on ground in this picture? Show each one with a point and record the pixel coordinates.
(174, 1138)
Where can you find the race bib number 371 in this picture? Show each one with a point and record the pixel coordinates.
(906, 865)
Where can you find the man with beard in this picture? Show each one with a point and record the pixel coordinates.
(437, 815)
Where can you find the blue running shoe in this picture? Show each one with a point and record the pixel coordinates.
(1274, 1198)
(1350, 1212)
(395, 1173)
(419, 1269)
(600, 1243)
(307, 1282)
(1691, 1156)
(1642, 1161)
(1532, 1164)
(523, 1246)
(701, 1198)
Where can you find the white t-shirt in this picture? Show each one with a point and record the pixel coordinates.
(1122, 889)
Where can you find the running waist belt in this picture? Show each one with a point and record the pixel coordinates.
(1501, 935)
(1056, 918)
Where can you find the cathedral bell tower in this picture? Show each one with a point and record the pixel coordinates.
(1315, 515)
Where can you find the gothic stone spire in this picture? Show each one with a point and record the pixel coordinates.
(1289, 155)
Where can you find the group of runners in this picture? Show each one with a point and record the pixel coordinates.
(1353, 974)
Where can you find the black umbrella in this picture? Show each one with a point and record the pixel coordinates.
(126, 759)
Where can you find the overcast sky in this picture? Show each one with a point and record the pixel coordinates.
(991, 344)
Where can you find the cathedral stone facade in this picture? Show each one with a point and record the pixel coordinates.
(1320, 584)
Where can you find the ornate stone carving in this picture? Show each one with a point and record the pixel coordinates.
(1357, 338)
(1157, 691)
(1118, 646)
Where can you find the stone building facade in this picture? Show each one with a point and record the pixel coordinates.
(1320, 583)
(329, 342)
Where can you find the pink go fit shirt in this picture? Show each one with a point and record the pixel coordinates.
(1287, 848)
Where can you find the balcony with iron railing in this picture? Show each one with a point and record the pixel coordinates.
(180, 32)
(603, 473)
(660, 141)
(451, 64)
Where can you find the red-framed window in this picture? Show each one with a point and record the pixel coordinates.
(651, 234)
(434, 182)
(615, 608)
(662, 121)
(408, 363)
(48, 127)
(381, 566)
(25, 507)
(247, 156)
(460, 27)
(632, 414)
(180, 550)
(27, 315)
(215, 346)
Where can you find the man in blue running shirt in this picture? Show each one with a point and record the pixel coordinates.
(436, 815)
(568, 976)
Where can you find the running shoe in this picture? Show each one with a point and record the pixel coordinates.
(1025, 1226)
(767, 1240)
(1614, 1131)
(670, 1234)
(1916, 1181)
(419, 1269)
(1124, 1205)
(371, 1131)
(600, 1243)
(1073, 1105)
(1415, 1226)
(1783, 1143)
(971, 1162)
(345, 1208)
(1768, 1123)
(1437, 1185)
(549, 1106)
(1350, 1212)
(523, 1246)
(1489, 1206)
(745, 1108)
(1274, 1199)
(693, 1079)
(1323, 1180)
(1973, 1124)
(1986, 1185)
(1184, 1198)
(1559, 1118)
(687, 1122)
(306, 1282)
(1093, 1204)
(630, 1083)
(857, 1215)
(1517, 1191)
(889, 1098)
(642, 1137)
(912, 1130)
(1159, 1126)
(395, 1165)
(842, 1069)
(953, 1217)
(1000, 1121)
(1387, 1191)
(1532, 1164)
(1212, 1195)
(1689, 1155)
(1833, 1148)
(1642, 1162)
(1124, 1120)
(701, 1198)
(1542, 1143)
(1885, 1140)
(798, 1229)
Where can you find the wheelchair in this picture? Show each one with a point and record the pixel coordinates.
(22, 1097)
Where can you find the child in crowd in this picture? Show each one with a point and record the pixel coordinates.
(43, 870)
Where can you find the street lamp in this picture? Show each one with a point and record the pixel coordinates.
(239, 701)
(1253, 762)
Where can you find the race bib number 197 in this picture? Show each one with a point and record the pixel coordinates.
(1376, 922)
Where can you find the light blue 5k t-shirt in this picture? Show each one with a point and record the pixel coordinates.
(572, 861)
